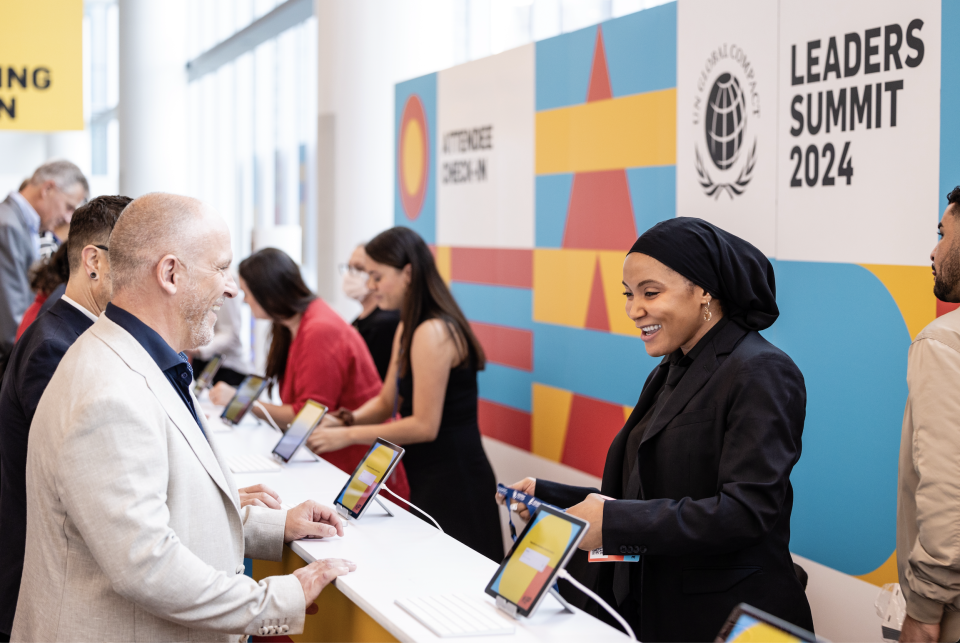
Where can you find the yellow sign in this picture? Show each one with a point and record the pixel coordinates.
(41, 64)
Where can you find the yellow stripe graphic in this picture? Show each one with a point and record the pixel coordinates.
(632, 131)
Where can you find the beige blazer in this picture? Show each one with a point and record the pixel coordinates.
(134, 527)
(928, 499)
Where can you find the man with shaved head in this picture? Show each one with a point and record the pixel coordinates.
(134, 526)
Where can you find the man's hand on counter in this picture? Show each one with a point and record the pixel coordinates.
(318, 574)
(259, 495)
(310, 519)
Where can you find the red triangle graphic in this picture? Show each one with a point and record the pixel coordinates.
(599, 76)
(592, 426)
(600, 214)
(597, 317)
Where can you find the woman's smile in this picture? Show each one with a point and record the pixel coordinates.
(650, 331)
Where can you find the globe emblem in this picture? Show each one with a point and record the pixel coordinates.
(726, 119)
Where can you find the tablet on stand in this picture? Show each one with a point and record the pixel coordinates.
(364, 485)
(205, 378)
(247, 393)
(529, 571)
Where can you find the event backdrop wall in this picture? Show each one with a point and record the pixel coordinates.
(820, 131)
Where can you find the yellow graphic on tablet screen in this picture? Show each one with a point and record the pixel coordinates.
(370, 473)
(763, 633)
(530, 566)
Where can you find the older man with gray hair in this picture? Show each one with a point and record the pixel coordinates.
(45, 202)
(134, 527)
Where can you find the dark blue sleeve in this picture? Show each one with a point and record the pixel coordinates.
(35, 373)
(561, 495)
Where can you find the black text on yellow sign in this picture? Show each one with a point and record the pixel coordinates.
(41, 64)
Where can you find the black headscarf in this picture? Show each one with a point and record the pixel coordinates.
(729, 268)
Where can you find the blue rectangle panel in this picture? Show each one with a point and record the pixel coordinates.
(642, 50)
(563, 68)
(653, 192)
(601, 365)
(507, 386)
(553, 201)
(423, 222)
(495, 304)
(949, 99)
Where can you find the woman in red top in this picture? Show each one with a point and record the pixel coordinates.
(314, 353)
(46, 277)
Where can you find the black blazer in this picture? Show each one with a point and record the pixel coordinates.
(712, 521)
(32, 363)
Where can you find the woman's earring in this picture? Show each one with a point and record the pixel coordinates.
(707, 315)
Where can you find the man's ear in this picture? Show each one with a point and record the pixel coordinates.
(90, 260)
(168, 274)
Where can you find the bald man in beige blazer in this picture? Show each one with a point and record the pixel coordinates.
(134, 525)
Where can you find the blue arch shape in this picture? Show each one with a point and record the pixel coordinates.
(844, 330)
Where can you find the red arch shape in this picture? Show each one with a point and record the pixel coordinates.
(413, 203)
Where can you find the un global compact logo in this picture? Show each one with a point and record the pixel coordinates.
(723, 110)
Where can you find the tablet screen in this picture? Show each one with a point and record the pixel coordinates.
(747, 623)
(207, 374)
(303, 425)
(248, 391)
(372, 471)
(747, 628)
(539, 553)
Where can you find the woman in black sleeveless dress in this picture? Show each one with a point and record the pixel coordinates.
(432, 384)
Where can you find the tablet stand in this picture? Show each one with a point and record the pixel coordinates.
(382, 506)
(343, 513)
(511, 609)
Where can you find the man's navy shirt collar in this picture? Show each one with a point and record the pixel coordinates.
(174, 365)
(156, 346)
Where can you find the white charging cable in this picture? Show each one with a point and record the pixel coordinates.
(386, 488)
(623, 623)
(266, 413)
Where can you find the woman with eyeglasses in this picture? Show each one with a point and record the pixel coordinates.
(432, 383)
(375, 325)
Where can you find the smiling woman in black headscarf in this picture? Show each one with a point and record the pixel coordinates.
(697, 483)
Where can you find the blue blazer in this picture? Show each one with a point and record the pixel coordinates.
(32, 363)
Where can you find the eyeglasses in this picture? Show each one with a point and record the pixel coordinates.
(104, 248)
(345, 268)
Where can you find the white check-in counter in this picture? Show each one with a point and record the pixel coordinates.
(396, 557)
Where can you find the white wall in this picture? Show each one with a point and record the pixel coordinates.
(365, 48)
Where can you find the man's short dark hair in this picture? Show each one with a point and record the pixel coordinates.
(92, 224)
(953, 198)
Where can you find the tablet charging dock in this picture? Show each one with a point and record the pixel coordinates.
(506, 606)
(346, 515)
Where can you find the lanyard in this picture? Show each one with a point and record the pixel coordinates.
(514, 495)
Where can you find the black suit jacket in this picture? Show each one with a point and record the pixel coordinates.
(52, 298)
(712, 521)
(32, 363)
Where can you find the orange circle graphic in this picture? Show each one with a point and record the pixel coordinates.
(413, 157)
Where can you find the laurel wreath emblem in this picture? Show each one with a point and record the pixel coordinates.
(733, 189)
